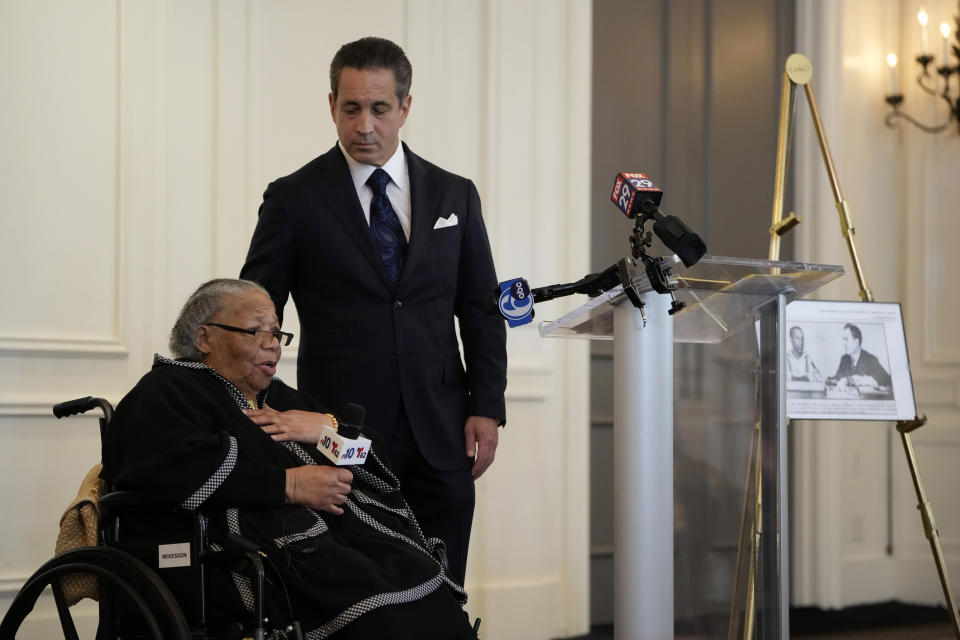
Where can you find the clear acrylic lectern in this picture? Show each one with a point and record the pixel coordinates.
(679, 556)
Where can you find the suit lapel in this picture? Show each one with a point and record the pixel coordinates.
(423, 202)
(342, 198)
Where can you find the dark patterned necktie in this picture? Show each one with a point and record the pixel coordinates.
(388, 237)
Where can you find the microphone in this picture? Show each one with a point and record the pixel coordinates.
(634, 192)
(513, 300)
(351, 420)
(638, 198)
(631, 189)
(677, 236)
(345, 445)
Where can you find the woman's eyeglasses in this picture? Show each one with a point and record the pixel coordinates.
(282, 337)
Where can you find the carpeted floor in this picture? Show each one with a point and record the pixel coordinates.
(931, 631)
(882, 621)
(897, 618)
(934, 631)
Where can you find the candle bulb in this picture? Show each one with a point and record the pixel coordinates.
(922, 19)
(892, 61)
(945, 30)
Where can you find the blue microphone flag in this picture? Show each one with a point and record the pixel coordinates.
(516, 302)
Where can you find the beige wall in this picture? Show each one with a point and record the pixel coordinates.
(137, 139)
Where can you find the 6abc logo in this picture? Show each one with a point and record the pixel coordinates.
(516, 302)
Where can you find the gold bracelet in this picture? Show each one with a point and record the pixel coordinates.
(333, 418)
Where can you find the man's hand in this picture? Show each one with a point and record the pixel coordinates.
(298, 426)
(482, 436)
(863, 381)
(318, 487)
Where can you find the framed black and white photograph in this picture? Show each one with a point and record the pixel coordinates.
(847, 361)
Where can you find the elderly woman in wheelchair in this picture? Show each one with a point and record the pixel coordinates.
(214, 431)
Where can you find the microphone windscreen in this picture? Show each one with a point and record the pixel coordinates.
(351, 416)
(688, 246)
(692, 250)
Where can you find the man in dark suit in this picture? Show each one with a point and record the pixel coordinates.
(858, 367)
(381, 250)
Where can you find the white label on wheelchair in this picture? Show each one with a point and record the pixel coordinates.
(174, 555)
(340, 450)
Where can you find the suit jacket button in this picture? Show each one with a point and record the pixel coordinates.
(397, 304)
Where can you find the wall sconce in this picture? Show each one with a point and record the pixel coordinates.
(927, 80)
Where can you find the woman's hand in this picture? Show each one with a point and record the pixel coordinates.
(318, 487)
(298, 426)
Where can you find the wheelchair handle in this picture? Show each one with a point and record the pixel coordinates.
(82, 405)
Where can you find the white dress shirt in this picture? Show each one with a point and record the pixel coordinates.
(398, 189)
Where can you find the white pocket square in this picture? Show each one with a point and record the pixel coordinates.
(443, 223)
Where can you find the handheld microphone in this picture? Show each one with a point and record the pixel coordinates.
(345, 445)
(513, 300)
(351, 420)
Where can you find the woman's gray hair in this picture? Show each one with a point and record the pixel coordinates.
(199, 308)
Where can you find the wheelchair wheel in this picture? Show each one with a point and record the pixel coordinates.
(123, 572)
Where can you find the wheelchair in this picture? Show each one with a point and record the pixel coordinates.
(137, 597)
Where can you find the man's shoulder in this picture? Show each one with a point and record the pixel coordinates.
(313, 170)
(424, 168)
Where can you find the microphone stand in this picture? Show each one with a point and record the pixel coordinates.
(640, 241)
(623, 273)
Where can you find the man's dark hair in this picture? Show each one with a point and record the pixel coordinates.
(373, 53)
(854, 331)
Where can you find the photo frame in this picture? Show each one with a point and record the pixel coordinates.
(847, 361)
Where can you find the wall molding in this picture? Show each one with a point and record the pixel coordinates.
(529, 381)
(939, 343)
(112, 347)
(11, 584)
(937, 392)
(42, 406)
(31, 409)
(44, 622)
(531, 600)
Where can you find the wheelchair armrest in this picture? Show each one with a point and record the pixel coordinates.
(118, 506)
(232, 557)
(125, 500)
